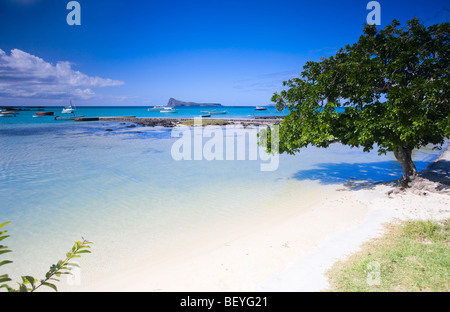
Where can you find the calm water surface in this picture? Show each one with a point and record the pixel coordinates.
(123, 190)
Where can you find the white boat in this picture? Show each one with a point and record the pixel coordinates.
(214, 112)
(168, 110)
(69, 109)
(217, 112)
(155, 108)
(260, 108)
(7, 113)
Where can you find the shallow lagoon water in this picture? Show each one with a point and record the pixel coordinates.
(123, 190)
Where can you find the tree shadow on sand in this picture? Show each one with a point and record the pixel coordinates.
(356, 175)
(439, 171)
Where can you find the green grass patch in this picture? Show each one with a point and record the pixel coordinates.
(206, 122)
(411, 256)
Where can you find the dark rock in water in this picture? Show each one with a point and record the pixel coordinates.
(108, 129)
(131, 126)
(161, 122)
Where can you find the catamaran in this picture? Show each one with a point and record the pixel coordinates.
(69, 109)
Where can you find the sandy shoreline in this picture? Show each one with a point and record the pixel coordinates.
(289, 254)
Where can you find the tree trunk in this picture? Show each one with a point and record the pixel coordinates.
(403, 155)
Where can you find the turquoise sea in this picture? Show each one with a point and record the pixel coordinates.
(123, 190)
(26, 116)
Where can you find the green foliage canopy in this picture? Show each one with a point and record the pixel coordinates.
(393, 84)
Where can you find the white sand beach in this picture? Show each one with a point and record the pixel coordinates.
(288, 254)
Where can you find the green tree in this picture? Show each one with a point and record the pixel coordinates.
(392, 85)
(31, 284)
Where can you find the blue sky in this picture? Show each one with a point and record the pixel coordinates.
(144, 52)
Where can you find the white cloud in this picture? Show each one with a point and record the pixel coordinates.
(23, 75)
(84, 94)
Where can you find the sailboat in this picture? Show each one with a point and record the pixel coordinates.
(68, 109)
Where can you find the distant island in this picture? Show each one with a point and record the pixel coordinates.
(173, 102)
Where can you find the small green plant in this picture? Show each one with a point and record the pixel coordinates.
(411, 256)
(62, 267)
